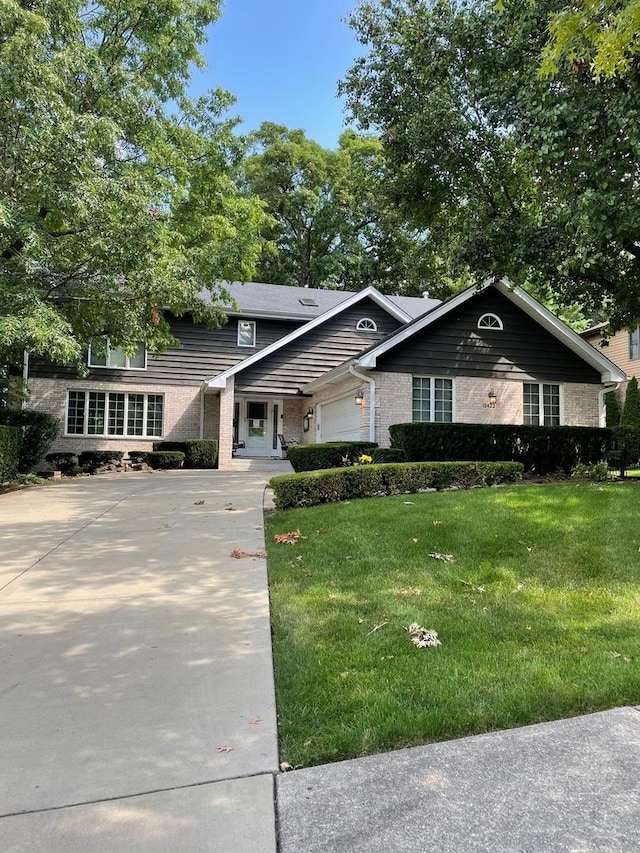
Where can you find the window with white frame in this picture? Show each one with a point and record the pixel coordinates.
(114, 414)
(432, 399)
(366, 324)
(490, 321)
(541, 404)
(103, 354)
(634, 342)
(246, 333)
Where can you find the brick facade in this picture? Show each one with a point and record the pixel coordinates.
(181, 413)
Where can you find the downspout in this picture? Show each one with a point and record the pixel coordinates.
(204, 385)
(602, 412)
(372, 400)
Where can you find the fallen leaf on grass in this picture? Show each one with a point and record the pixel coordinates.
(423, 638)
(289, 538)
(444, 558)
(409, 503)
(437, 522)
(414, 540)
(408, 590)
(377, 627)
(472, 586)
(225, 749)
(284, 766)
(239, 555)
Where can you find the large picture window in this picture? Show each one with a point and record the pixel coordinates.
(432, 399)
(541, 404)
(114, 414)
(102, 354)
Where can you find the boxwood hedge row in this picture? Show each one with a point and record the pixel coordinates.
(333, 454)
(366, 481)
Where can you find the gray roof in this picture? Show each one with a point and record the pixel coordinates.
(279, 300)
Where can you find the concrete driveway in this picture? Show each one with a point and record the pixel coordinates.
(136, 693)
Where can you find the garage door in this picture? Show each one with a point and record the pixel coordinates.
(340, 421)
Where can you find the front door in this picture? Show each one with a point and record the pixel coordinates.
(259, 427)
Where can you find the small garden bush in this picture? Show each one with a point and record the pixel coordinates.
(90, 460)
(198, 452)
(138, 456)
(388, 454)
(64, 462)
(543, 450)
(365, 481)
(9, 452)
(165, 459)
(598, 472)
(39, 429)
(335, 454)
(201, 453)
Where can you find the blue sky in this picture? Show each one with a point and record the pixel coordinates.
(282, 59)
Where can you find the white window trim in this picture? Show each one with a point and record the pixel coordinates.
(112, 437)
(127, 366)
(432, 400)
(497, 328)
(541, 397)
(251, 323)
(366, 324)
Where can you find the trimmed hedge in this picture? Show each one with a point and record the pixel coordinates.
(165, 459)
(91, 460)
(543, 450)
(333, 454)
(389, 454)
(198, 452)
(39, 429)
(10, 438)
(138, 456)
(64, 462)
(201, 453)
(366, 481)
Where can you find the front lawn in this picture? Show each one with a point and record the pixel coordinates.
(533, 591)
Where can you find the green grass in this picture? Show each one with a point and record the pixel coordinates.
(538, 614)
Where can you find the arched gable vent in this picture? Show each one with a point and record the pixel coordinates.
(366, 324)
(490, 321)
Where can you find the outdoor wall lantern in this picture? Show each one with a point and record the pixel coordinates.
(492, 399)
(309, 413)
(360, 397)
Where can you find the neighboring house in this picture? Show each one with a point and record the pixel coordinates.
(323, 365)
(623, 348)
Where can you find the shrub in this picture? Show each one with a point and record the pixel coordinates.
(335, 454)
(543, 450)
(65, 462)
(39, 429)
(340, 484)
(165, 459)
(10, 438)
(597, 472)
(180, 446)
(631, 410)
(138, 456)
(613, 411)
(626, 439)
(388, 454)
(201, 453)
(91, 460)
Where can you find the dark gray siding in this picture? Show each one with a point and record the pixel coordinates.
(454, 346)
(316, 352)
(204, 353)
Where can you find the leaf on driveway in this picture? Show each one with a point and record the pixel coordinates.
(225, 749)
(255, 720)
(240, 555)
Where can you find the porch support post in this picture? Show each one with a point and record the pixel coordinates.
(225, 447)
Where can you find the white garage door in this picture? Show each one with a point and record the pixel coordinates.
(340, 421)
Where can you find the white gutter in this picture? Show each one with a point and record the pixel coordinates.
(202, 409)
(602, 412)
(25, 377)
(372, 400)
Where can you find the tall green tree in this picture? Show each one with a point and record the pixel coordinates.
(333, 225)
(631, 409)
(509, 173)
(116, 192)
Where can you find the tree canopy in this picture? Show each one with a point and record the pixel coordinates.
(117, 198)
(508, 172)
(333, 225)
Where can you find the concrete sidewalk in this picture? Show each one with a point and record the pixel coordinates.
(137, 706)
(571, 786)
